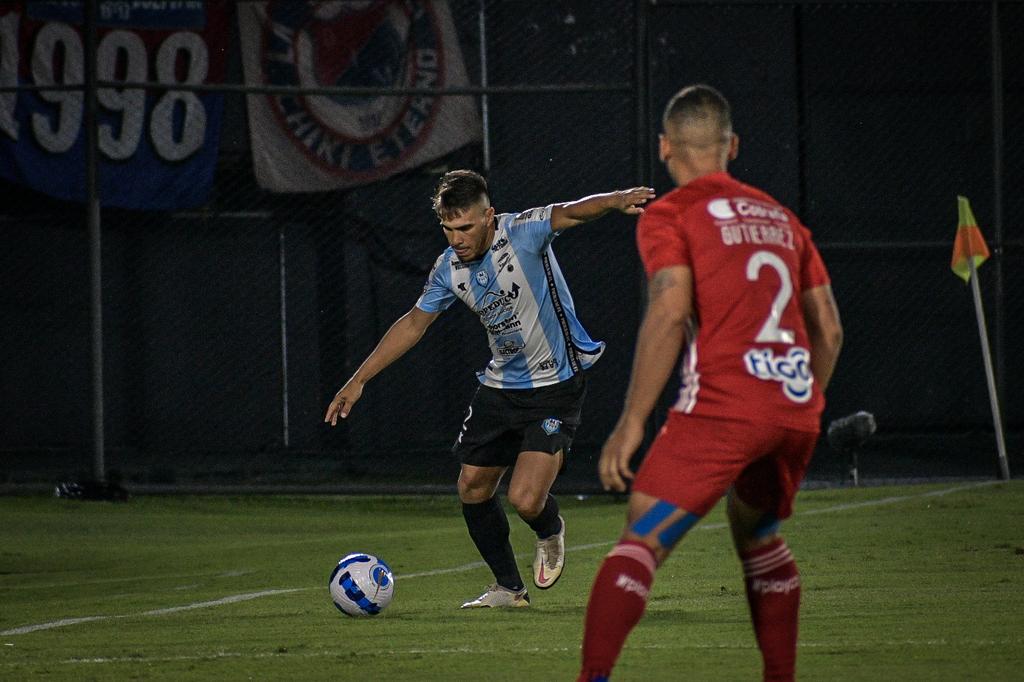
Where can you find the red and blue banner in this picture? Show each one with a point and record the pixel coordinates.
(303, 143)
(157, 148)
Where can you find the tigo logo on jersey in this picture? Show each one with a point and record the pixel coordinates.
(551, 425)
(792, 370)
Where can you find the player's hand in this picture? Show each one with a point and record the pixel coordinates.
(343, 401)
(630, 201)
(613, 468)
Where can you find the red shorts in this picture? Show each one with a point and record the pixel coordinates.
(695, 460)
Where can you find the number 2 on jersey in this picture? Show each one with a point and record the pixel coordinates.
(770, 330)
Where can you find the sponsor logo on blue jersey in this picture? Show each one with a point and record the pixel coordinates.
(551, 425)
(509, 347)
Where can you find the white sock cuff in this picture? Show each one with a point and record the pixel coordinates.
(639, 553)
(767, 562)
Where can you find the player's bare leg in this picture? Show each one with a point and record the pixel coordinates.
(478, 484)
(619, 596)
(773, 586)
(529, 492)
(488, 527)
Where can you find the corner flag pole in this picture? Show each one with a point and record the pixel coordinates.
(993, 398)
(970, 251)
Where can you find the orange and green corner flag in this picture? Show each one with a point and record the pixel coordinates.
(969, 243)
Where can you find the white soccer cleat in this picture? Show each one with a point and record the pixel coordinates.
(549, 559)
(498, 597)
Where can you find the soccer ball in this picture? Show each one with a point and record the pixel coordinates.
(361, 585)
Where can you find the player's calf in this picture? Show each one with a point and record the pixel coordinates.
(619, 596)
(617, 602)
(773, 594)
(772, 585)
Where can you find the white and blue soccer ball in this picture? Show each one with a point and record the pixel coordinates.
(361, 585)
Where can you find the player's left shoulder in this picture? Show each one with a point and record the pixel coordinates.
(527, 231)
(540, 214)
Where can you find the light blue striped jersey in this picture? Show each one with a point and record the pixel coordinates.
(522, 299)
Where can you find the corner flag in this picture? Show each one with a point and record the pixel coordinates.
(969, 243)
(970, 251)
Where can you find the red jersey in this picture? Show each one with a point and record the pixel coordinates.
(748, 354)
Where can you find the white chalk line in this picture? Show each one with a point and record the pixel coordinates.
(233, 599)
(445, 651)
(126, 579)
(898, 498)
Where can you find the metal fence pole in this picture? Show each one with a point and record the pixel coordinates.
(95, 240)
(641, 92)
(485, 119)
(644, 140)
(997, 202)
(283, 279)
(801, 109)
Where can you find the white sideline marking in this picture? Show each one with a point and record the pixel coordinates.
(126, 579)
(235, 598)
(898, 498)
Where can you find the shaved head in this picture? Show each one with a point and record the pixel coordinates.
(457, 192)
(698, 116)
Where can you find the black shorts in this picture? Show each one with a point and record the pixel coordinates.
(502, 422)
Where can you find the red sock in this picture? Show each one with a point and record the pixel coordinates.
(773, 592)
(617, 601)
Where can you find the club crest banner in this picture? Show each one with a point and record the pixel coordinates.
(304, 143)
(157, 148)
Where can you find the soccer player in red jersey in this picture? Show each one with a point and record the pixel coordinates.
(737, 287)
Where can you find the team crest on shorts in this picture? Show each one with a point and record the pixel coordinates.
(357, 44)
(551, 425)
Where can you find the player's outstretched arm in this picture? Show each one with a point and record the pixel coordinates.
(628, 201)
(661, 336)
(824, 330)
(403, 335)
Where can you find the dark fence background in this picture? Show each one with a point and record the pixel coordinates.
(227, 328)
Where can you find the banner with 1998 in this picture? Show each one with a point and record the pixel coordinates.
(157, 148)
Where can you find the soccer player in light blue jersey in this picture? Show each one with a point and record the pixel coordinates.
(526, 410)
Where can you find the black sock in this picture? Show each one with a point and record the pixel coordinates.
(547, 522)
(488, 526)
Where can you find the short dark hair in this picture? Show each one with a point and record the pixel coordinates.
(457, 191)
(698, 104)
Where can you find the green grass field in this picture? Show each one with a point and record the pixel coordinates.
(912, 583)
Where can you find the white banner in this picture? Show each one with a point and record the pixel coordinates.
(316, 143)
